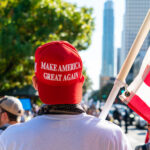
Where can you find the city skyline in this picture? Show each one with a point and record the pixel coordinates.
(108, 40)
(135, 12)
(93, 55)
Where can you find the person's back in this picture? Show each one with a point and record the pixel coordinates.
(4, 127)
(65, 132)
(62, 123)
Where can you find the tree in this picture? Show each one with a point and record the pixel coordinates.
(95, 95)
(87, 82)
(26, 24)
(105, 91)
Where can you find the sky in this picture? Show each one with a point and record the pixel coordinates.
(92, 56)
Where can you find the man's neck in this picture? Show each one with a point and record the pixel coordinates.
(12, 122)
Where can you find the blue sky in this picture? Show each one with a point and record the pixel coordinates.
(92, 56)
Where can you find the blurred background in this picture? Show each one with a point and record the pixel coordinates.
(101, 30)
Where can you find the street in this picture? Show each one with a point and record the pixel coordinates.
(135, 136)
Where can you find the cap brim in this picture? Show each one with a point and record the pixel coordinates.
(70, 94)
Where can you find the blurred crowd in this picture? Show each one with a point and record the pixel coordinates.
(119, 114)
(11, 109)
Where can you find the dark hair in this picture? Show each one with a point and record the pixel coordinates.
(11, 116)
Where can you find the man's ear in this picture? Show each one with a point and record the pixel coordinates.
(4, 118)
(34, 81)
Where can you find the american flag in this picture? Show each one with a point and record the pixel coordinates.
(137, 94)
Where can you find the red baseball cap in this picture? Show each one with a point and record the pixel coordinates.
(58, 68)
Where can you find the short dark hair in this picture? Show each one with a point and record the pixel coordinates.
(11, 116)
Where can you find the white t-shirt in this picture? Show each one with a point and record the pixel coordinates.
(1, 131)
(64, 132)
(4, 128)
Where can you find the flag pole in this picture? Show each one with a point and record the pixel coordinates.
(120, 80)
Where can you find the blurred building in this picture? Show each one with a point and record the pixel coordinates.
(108, 41)
(106, 80)
(118, 59)
(135, 12)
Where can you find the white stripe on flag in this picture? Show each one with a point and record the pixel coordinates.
(144, 93)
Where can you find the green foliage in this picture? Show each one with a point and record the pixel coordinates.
(87, 82)
(39, 102)
(26, 24)
(95, 95)
(105, 91)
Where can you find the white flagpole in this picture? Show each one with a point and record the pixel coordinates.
(120, 81)
(117, 85)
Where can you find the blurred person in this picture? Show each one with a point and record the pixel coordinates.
(62, 122)
(145, 146)
(11, 111)
(131, 116)
(35, 110)
(28, 115)
(126, 120)
(117, 116)
(92, 110)
(147, 138)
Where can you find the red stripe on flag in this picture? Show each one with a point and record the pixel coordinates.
(147, 79)
(147, 137)
(140, 107)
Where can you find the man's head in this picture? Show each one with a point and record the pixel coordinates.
(58, 73)
(10, 110)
